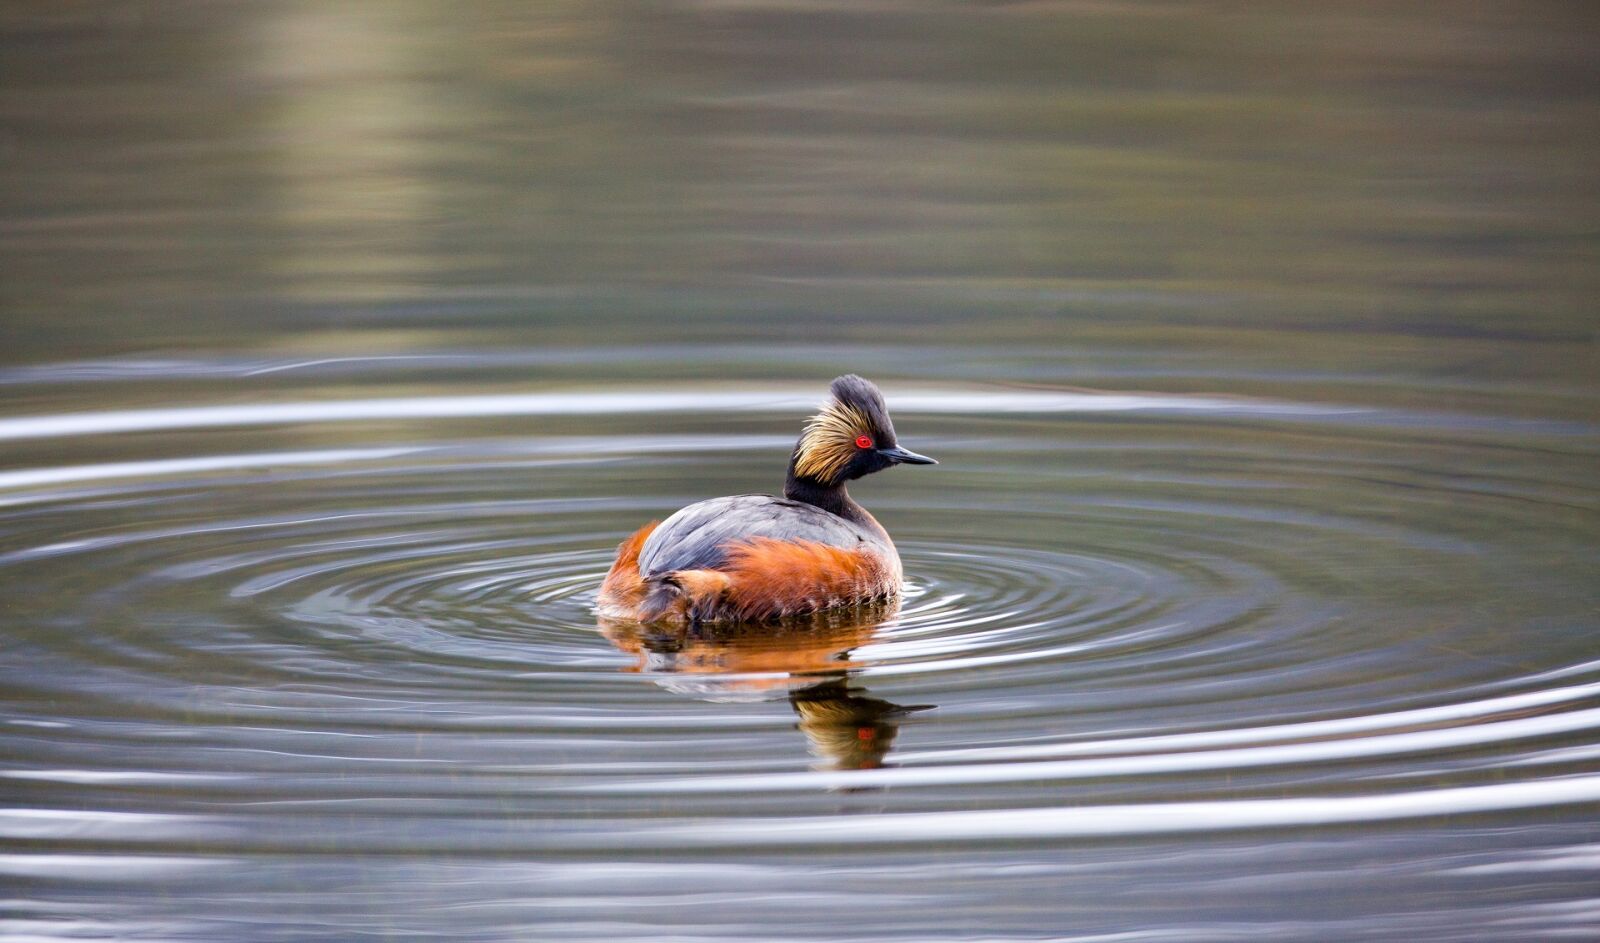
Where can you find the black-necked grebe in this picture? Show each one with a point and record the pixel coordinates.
(753, 557)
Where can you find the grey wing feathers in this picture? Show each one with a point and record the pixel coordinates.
(698, 536)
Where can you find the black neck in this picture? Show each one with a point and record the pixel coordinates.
(831, 498)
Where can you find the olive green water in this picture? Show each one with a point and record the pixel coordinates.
(1255, 596)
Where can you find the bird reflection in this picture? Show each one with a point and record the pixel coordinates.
(804, 660)
(847, 729)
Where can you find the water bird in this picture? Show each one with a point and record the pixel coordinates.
(757, 557)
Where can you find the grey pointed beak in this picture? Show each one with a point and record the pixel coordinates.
(902, 456)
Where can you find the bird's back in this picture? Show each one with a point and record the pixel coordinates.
(701, 536)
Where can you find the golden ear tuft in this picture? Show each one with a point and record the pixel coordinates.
(828, 442)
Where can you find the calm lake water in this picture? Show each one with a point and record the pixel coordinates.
(1255, 597)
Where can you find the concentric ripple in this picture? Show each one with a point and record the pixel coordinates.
(1135, 623)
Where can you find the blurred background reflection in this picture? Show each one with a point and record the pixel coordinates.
(1255, 596)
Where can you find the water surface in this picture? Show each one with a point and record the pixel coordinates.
(1255, 596)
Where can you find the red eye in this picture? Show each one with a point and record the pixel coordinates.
(863, 441)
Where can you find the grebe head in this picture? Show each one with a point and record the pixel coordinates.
(851, 436)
